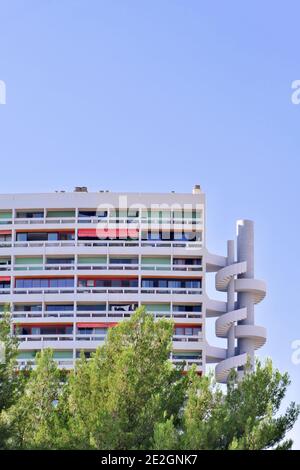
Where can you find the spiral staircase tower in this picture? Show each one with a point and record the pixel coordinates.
(237, 324)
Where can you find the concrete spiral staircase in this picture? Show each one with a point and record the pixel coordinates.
(237, 324)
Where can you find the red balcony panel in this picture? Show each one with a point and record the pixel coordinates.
(96, 325)
(187, 325)
(108, 233)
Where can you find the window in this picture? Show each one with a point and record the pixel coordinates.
(123, 260)
(53, 236)
(107, 283)
(5, 237)
(90, 307)
(66, 236)
(59, 308)
(30, 215)
(187, 261)
(44, 283)
(187, 355)
(122, 307)
(47, 330)
(60, 260)
(92, 331)
(187, 308)
(188, 331)
(4, 284)
(21, 237)
(172, 283)
(89, 213)
(28, 308)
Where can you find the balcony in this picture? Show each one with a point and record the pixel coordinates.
(171, 290)
(101, 267)
(103, 243)
(30, 363)
(5, 291)
(43, 290)
(69, 363)
(44, 267)
(96, 314)
(107, 290)
(188, 338)
(94, 337)
(43, 220)
(45, 338)
(109, 220)
(106, 315)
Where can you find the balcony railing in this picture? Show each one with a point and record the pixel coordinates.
(101, 290)
(187, 338)
(4, 291)
(62, 337)
(42, 267)
(5, 267)
(188, 362)
(45, 220)
(43, 290)
(94, 337)
(101, 267)
(69, 363)
(172, 291)
(107, 290)
(143, 220)
(31, 363)
(105, 314)
(103, 243)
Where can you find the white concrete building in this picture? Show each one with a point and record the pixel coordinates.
(74, 264)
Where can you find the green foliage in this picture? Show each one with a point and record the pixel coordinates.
(34, 419)
(130, 396)
(11, 381)
(117, 397)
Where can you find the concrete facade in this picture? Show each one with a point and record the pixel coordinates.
(74, 264)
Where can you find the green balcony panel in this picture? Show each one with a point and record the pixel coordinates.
(61, 214)
(5, 215)
(27, 355)
(27, 260)
(36, 260)
(157, 307)
(194, 354)
(63, 355)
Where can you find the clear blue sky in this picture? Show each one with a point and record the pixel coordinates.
(157, 95)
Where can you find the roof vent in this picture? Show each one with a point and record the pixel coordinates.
(197, 189)
(80, 189)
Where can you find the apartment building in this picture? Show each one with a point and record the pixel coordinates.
(74, 264)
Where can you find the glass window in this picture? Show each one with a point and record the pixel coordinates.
(36, 236)
(35, 330)
(91, 307)
(179, 331)
(57, 308)
(52, 236)
(21, 237)
(100, 331)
